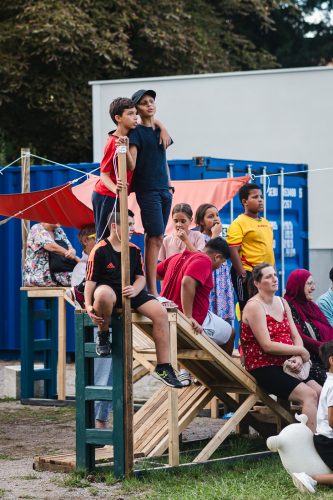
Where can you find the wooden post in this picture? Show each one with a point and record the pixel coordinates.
(25, 188)
(127, 319)
(173, 398)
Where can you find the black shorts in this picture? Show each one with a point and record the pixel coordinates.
(136, 302)
(324, 447)
(275, 381)
(155, 209)
(240, 287)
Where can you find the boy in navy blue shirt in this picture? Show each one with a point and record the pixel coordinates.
(151, 181)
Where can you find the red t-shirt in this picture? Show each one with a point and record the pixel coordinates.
(107, 165)
(198, 266)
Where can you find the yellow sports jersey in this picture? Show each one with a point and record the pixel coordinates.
(255, 238)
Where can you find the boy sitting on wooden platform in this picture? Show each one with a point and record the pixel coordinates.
(103, 293)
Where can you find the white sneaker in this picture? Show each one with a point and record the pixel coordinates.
(304, 482)
(185, 378)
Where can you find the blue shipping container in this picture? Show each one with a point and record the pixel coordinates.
(286, 203)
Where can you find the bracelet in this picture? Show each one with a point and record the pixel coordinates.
(172, 189)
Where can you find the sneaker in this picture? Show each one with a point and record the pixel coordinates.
(103, 344)
(304, 482)
(185, 378)
(168, 377)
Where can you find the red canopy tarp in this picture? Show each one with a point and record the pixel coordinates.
(71, 206)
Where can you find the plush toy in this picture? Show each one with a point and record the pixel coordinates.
(296, 449)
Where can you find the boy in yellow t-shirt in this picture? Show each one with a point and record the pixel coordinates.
(250, 239)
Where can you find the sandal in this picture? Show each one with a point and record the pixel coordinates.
(168, 304)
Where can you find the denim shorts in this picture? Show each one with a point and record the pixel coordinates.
(155, 209)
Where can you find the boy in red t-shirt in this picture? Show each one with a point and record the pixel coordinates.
(187, 281)
(123, 113)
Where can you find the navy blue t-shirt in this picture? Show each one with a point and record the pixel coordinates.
(150, 171)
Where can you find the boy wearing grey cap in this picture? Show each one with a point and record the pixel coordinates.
(151, 180)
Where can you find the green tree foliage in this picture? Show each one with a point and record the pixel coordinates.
(49, 51)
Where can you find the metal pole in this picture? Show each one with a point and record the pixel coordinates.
(127, 320)
(282, 230)
(25, 188)
(231, 174)
(264, 188)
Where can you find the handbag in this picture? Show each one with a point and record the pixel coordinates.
(302, 374)
(59, 263)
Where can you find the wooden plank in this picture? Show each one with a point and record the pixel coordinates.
(61, 374)
(143, 361)
(127, 318)
(25, 188)
(276, 407)
(194, 354)
(214, 407)
(186, 402)
(227, 428)
(222, 358)
(191, 412)
(46, 292)
(173, 401)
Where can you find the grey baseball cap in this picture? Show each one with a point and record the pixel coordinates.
(138, 95)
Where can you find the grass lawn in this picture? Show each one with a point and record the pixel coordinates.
(265, 479)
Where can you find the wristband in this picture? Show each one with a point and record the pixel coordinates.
(172, 189)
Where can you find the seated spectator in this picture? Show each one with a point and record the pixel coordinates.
(187, 281)
(87, 238)
(325, 301)
(311, 323)
(269, 337)
(103, 292)
(182, 238)
(44, 240)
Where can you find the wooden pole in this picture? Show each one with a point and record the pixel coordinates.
(127, 320)
(25, 188)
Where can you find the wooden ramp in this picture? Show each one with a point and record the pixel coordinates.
(219, 373)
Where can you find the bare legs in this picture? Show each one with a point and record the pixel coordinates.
(307, 395)
(104, 301)
(228, 347)
(152, 248)
(159, 316)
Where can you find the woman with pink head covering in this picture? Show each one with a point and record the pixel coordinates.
(311, 323)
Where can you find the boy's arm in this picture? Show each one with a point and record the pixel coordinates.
(170, 186)
(133, 290)
(165, 138)
(236, 261)
(187, 294)
(133, 151)
(105, 178)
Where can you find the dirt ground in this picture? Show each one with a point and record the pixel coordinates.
(28, 431)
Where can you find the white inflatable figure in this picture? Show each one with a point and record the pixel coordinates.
(296, 449)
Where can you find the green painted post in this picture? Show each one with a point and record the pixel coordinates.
(118, 397)
(27, 354)
(84, 458)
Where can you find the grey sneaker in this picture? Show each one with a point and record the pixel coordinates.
(168, 377)
(304, 482)
(103, 344)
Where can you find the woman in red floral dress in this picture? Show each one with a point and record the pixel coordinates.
(269, 337)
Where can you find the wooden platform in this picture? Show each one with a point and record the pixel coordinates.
(169, 411)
